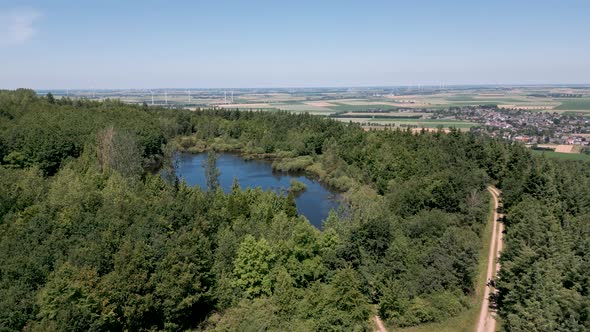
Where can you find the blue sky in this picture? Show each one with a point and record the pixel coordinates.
(221, 43)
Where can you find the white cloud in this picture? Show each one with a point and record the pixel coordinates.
(17, 25)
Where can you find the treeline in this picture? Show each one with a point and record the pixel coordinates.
(43, 132)
(90, 239)
(545, 278)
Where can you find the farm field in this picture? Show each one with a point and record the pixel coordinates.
(575, 104)
(560, 99)
(386, 114)
(562, 148)
(563, 156)
(417, 123)
(426, 123)
(518, 98)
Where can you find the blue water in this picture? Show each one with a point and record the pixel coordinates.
(315, 203)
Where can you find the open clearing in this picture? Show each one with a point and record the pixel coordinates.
(564, 156)
(562, 148)
(412, 123)
(426, 123)
(565, 148)
(574, 104)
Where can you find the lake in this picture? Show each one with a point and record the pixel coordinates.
(315, 203)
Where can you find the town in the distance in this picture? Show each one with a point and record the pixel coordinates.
(550, 119)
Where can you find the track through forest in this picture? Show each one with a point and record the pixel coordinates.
(487, 320)
(379, 323)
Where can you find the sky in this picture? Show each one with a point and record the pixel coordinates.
(96, 44)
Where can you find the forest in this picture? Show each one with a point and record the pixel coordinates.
(93, 237)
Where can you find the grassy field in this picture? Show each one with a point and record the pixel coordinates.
(475, 100)
(359, 99)
(394, 114)
(466, 321)
(425, 123)
(564, 156)
(574, 104)
(420, 123)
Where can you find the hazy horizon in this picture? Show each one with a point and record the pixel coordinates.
(264, 44)
(450, 86)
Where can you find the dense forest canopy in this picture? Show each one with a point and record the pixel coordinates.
(92, 239)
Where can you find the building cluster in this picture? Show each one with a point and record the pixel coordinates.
(532, 127)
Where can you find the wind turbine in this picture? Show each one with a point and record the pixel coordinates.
(152, 97)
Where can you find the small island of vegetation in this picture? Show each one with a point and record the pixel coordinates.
(297, 186)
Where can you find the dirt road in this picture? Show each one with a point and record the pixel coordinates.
(379, 323)
(487, 321)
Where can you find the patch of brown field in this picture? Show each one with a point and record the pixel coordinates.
(403, 96)
(527, 108)
(565, 148)
(401, 114)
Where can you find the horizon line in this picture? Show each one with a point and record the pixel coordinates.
(325, 86)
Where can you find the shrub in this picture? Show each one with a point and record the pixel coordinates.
(292, 164)
(297, 186)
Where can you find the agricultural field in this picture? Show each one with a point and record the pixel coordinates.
(564, 156)
(400, 107)
(327, 101)
(427, 123)
(575, 104)
(548, 99)
(411, 123)
(562, 148)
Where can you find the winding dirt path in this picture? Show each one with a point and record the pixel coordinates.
(379, 323)
(487, 320)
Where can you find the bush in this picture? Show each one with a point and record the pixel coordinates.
(341, 183)
(292, 164)
(297, 186)
(317, 169)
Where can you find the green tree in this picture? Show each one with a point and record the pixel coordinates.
(212, 172)
(252, 267)
(50, 98)
(347, 297)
